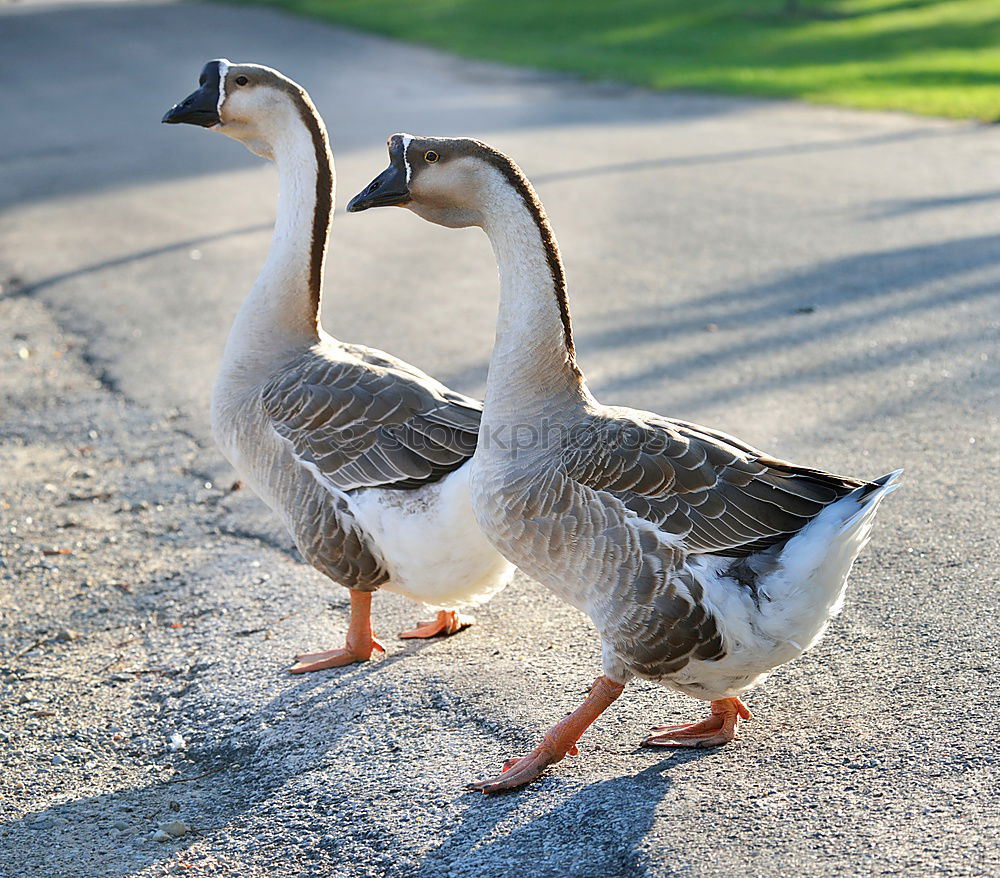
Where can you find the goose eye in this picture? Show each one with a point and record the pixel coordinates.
(430, 156)
(241, 80)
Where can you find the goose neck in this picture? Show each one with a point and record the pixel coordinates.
(533, 367)
(281, 313)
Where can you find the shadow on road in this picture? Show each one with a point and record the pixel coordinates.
(220, 783)
(826, 303)
(279, 763)
(596, 830)
(136, 256)
(227, 785)
(787, 149)
(58, 143)
(904, 207)
(864, 286)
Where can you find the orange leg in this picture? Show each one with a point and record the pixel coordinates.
(713, 731)
(558, 742)
(447, 622)
(360, 640)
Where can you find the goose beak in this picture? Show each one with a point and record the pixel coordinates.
(198, 108)
(388, 189)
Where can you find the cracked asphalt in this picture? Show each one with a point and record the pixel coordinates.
(821, 282)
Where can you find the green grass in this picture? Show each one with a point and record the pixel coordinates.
(936, 57)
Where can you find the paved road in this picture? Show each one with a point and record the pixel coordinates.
(823, 283)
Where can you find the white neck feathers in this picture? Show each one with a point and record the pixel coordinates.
(532, 368)
(280, 315)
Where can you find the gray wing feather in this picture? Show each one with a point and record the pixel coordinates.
(720, 495)
(371, 420)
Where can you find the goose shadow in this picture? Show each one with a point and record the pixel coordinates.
(214, 786)
(266, 765)
(594, 830)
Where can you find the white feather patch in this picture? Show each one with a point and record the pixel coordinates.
(407, 140)
(427, 538)
(223, 70)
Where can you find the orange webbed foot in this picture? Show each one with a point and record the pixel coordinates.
(448, 622)
(715, 730)
(333, 658)
(518, 771)
(559, 741)
(361, 641)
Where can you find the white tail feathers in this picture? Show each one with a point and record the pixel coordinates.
(807, 588)
(799, 595)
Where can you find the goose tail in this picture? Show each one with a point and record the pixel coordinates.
(809, 582)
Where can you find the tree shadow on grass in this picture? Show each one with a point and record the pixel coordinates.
(829, 47)
(810, 10)
(110, 139)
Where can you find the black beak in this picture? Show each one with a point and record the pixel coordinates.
(198, 108)
(388, 189)
(202, 106)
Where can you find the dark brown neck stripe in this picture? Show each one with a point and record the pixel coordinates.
(513, 174)
(324, 195)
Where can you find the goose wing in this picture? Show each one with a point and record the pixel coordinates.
(713, 491)
(370, 420)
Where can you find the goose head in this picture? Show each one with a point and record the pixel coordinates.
(445, 180)
(247, 102)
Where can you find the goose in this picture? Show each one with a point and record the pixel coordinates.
(703, 562)
(364, 458)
